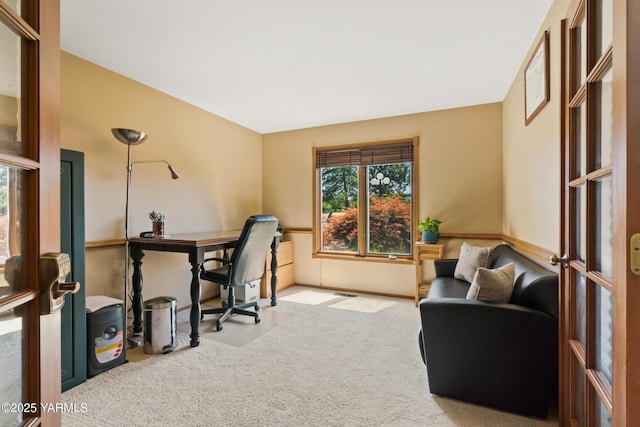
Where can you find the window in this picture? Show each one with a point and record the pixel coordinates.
(365, 199)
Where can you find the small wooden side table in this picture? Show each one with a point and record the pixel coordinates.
(428, 251)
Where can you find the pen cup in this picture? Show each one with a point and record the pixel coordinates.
(158, 229)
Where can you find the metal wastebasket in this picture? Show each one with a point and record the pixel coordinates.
(159, 325)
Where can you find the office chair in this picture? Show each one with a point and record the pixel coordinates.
(246, 264)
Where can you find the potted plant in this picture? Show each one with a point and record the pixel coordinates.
(430, 230)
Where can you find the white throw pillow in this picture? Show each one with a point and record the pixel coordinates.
(471, 258)
(493, 285)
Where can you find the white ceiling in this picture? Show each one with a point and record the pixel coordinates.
(288, 64)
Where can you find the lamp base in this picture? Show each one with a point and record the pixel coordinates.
(134, 341)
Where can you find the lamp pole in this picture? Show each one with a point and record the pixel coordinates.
(132, 137)
(128, 137)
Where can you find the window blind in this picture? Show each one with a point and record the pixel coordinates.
(365, 155)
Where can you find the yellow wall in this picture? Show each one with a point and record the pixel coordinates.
(460, 180)
(220, 163)
(532, 153)
(8, 122)
(8, 111)
(480, 171)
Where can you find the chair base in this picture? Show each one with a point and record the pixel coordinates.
(232, 309)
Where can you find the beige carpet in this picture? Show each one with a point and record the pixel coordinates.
(303, 365)
(364, 305)
(309, 297)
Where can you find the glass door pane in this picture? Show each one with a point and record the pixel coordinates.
(579, 50)
(580, 221)
(603, 335)
(604, 115)
(604, 227)
(15, 5)
(12, 345)
(579, 160)
(603, 29)
(603, 417)
(10, 91)
(578, 411)
(12, 218)
(580, 310)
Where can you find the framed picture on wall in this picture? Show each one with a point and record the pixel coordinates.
(536, 80)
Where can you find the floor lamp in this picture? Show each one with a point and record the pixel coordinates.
(132, 137)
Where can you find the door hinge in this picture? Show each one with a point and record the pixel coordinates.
(634, 251)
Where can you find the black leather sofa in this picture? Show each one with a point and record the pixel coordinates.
(501, 355)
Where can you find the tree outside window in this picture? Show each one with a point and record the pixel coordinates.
(366, 199)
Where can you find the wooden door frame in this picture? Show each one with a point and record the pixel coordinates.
(563, 273)
(626, 302)
(49, 194)
(37, 23)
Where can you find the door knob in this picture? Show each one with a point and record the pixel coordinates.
(563, 260)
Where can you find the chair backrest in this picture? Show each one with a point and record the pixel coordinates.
(250, 253)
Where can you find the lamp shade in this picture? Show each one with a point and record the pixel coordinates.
(129, 136)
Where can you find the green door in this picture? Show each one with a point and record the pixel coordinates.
(72, 241)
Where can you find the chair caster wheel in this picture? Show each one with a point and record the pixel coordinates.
(257, 320)
(218, 327)
(224, 304)
(257, 308)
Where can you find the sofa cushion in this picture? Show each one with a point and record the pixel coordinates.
(448, 287)
(471, 258)
(494, 285)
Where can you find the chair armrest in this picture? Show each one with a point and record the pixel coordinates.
(220, 260)
(499, 355)
(445, 267)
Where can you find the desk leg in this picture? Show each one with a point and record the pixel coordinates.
(274, 270)
(136, 284)
(195, 302)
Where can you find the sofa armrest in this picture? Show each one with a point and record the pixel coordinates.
(445, 267)
(498, 355)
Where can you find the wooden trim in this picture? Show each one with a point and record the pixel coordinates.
(17, 23)
(47, 22)
(602, 66)
(415, 192)
(17, 299)
(472, 236)
(362, 219)
(362, 193)
(529, 249)
(626, 212)
(405, 259)
(104, 243)
(364, 144)
(18, 162)
(564, 321)
(315, 205)
(297, 231)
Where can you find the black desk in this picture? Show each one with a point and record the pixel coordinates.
(196, 245)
